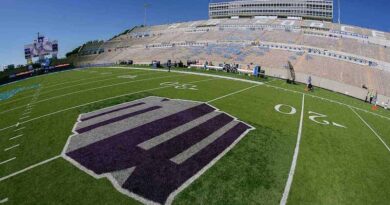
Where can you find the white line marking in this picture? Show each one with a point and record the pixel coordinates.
(240, 91)
(97, 101)
(11, 126)
(228, 78)
(15, 137)
(3, 201)
(9, 148)
(59, 156)
(329, 100)
(195, 73)
(338, 125)
(245, 89)
(6, 161)
(255, 82)
(22, 128)
(75, 85)
(25, 117)
(295, 158)
(28, 168)
(377, 135)
(26, 113)
(90, 89)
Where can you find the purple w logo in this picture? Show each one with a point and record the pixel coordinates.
(152, 148)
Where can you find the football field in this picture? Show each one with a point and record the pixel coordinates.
(295, 147)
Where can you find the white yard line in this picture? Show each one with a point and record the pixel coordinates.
(29, 168)
(26, 113)
(255, 82)
(97, 101)
(10, 148)
(376, 134)
(86, 90)
(12, 138)
(195, 73)
(22, 128)
(240, 91)
(3, 201)
(6, 161)
(11, 126)
(73, 85)
(328, 100)
(287, 188)
(228, 78)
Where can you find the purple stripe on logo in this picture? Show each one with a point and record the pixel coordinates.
(111, 111)
(157, 178)
(112, 154)
(185, 140)
(119, 118)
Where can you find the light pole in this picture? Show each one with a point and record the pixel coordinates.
(146, 6)
(339, 12)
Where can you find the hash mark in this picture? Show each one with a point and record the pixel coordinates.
(9, 148)
(22, 128)
(6, 161)
(25, 117)
(12, 138)
(3, 200)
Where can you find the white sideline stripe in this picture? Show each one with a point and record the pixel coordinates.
(255, 82)
(22, 128)
(195, 73)
(377, 135)
(22, 98)
(6, 161)
(240, 91)
(15, 137)
(102, 100)
(283, 201)
(13, 147)
(245, 89)
(11, 126)
(29, 168)
(53, 84)
(75, 85)
(3, 201)
(229, 78)
(329, 100)
(86, 90)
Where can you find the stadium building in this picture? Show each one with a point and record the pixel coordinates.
(342, 58)
(305, 9)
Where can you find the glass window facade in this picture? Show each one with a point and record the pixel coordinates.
(306, 9)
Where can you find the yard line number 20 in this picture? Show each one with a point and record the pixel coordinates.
(313, 116)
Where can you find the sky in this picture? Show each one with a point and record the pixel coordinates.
(74, 22)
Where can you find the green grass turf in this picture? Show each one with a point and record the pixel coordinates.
(332, 96)
(335, 165)
(299, 87)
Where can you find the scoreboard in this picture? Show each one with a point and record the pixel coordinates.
(41, 48)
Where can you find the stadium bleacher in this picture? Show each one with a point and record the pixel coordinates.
(349, 55)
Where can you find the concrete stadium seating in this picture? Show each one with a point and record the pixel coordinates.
(339, 57)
